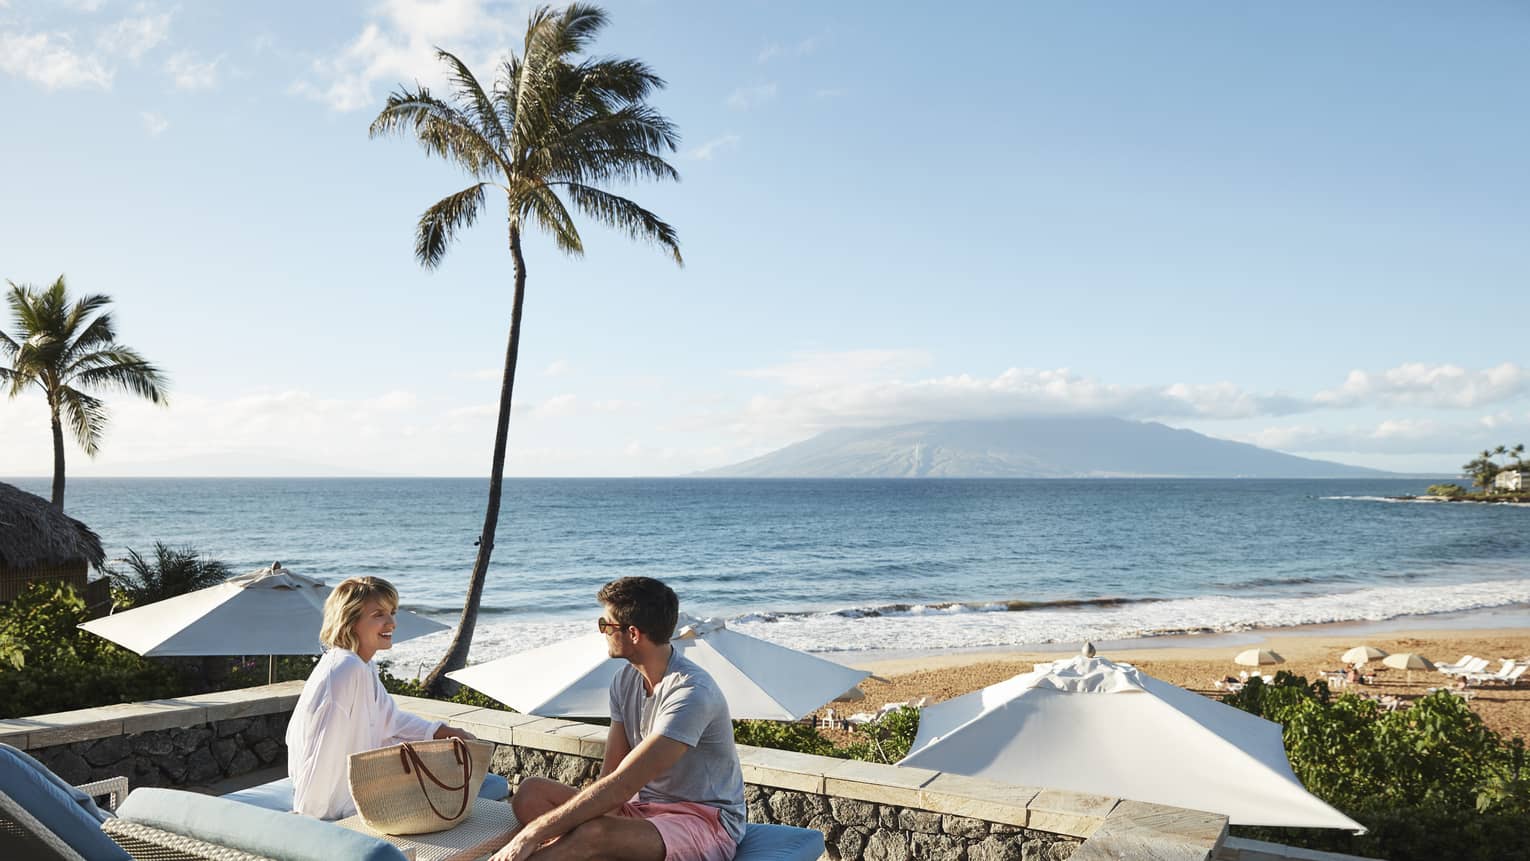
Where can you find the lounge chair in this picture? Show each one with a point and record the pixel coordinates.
(43, 817)
(1458, 665)
(1475, 665)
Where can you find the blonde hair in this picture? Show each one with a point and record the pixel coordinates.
(342, 609)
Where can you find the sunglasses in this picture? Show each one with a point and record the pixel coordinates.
(606, 627)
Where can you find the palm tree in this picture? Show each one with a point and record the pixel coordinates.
(174, 571)
(61, 350)
(551, 129)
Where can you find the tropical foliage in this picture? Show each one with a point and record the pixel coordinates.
(173, 571)
(1485, 466)
(1434, 763)
(1448, 491)
(551, 130)
(51, 665)
(59, 347)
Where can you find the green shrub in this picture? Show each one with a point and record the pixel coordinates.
(1428, 782)
(1449, 491)
(51, 665)
(782, 736)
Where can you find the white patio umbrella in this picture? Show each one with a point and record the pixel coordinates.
(1258, 658)
(1092, 725)
(266, 612)
(1409, 661)
(1362, 654)
(759, 679)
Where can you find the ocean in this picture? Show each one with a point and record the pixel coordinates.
(855, 565)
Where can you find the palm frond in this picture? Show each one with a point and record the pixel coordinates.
(99, 332)
(441, 129)
(86, 416)
(440, 223)
(474, 101)
(543, 206)
(625, 215)
(82, 309)
(120, 368)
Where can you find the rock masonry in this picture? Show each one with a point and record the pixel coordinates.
(853, 830)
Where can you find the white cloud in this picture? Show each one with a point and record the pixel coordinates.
(1397, 436)
(556, 368)
(864, 389)
(556, 406)
(769, 51)
(189, 73)
(745, 98)
(134, 37)
(708, 149)
(1437, 386)
(398, 46)
(51, 60)
(154, 124)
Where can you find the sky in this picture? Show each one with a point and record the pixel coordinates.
(1299, 225)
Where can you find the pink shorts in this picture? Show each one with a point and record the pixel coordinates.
(691, 832)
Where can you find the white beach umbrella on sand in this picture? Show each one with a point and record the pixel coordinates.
(1258, 658)
(759, 679)
(1092, 725)
(1409, 661)
(1362, 654)
(266, 612)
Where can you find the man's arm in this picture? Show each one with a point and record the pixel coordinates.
(617, 748)
(654, 756)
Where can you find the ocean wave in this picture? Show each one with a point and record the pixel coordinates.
(990, 626)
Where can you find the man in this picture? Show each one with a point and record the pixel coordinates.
(670, 745)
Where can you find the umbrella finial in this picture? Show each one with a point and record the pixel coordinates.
(276, 566)
(1088, 650)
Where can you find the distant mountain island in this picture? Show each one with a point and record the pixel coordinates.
(1031, 448)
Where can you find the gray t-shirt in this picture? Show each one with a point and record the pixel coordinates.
(686, 706)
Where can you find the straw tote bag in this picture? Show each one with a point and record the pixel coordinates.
(419, 786)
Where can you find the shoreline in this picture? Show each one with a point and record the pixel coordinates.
(1506, 620)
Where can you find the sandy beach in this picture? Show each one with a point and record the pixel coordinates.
(1195, 664)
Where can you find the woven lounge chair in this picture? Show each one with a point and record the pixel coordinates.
(42, 816)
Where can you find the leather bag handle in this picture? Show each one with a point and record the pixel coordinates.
(412, 763)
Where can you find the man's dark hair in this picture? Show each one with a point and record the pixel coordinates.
(645, 604)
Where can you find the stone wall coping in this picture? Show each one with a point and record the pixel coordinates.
(1074, 814)
(1112, 828)
(36, 731)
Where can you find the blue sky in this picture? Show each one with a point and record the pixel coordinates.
(1300, 225)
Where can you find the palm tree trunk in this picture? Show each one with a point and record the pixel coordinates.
(58, 462)
(436, 683)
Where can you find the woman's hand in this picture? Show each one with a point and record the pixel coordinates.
(453, 732)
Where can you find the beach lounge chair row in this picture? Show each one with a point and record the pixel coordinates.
(1467, 665)
(1508, 673)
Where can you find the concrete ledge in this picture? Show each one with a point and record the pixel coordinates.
(1243, 849)
(1153, 832)
(37, 731)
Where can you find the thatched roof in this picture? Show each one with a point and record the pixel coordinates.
(34, 534)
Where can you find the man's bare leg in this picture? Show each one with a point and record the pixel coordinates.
(606, 838)
(538, 795)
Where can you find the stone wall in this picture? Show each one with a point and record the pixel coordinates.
(180, 756)
(866, 811)
(853, 830)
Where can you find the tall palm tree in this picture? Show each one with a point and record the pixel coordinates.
(551, 129)
(59, 348)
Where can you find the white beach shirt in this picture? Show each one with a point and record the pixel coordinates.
(344, 709)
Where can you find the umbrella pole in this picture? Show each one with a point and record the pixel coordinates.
(270, 669)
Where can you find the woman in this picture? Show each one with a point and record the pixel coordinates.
(344, 708)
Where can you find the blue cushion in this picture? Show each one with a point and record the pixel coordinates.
(277, 795)
(779, 843)
(251, 829)
(60, 807)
